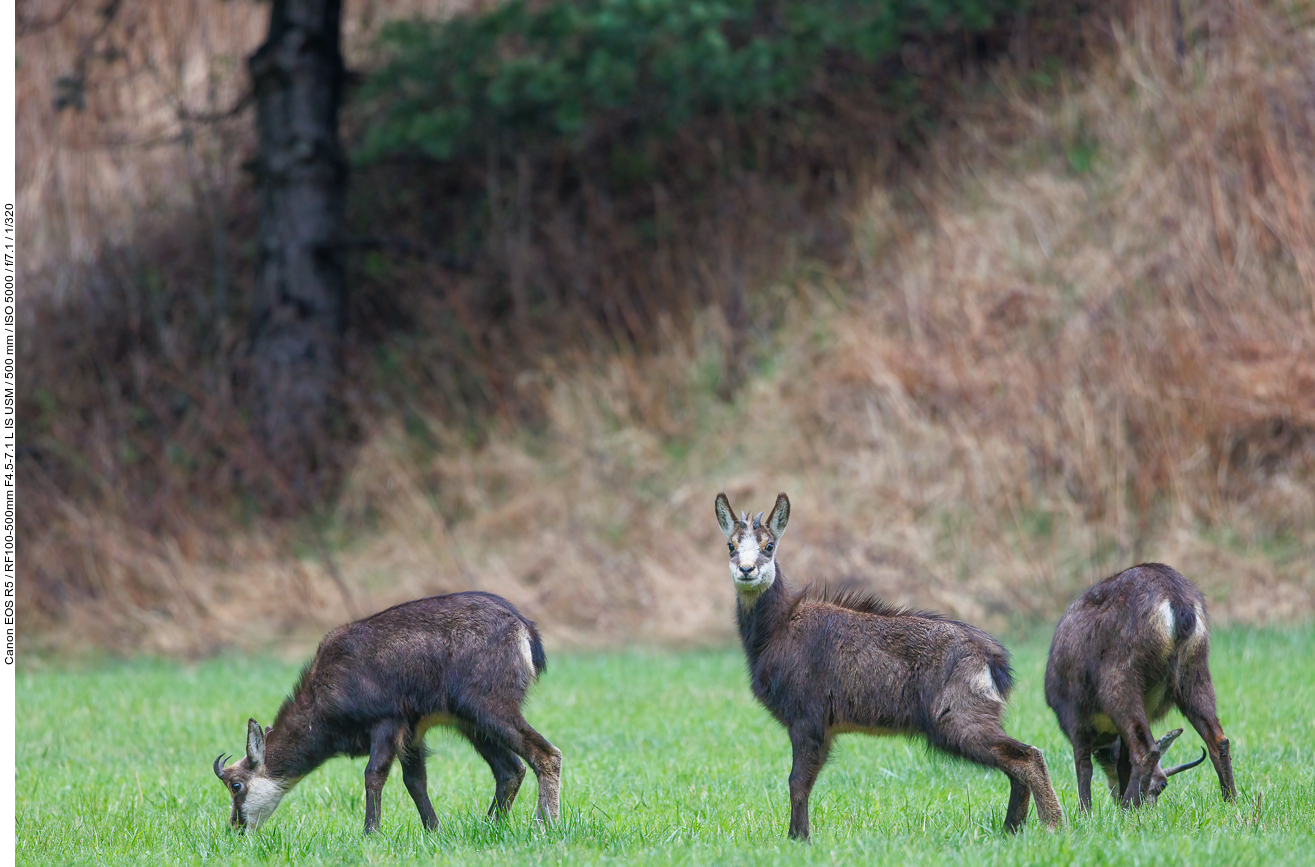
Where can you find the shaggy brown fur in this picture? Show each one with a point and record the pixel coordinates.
(463, 660)
(824, 665)
(1125, 652)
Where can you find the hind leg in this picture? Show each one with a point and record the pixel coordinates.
(1026, 763)
(417, 783)
(515, 734)
(1082, 761)
(1019, 797)
(1200, 712)
(508, 772)
(1022, 764)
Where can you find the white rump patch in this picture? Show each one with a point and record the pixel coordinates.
(526, 651)
(984, 685)
(1163, 619)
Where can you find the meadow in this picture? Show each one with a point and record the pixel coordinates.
(667, 760)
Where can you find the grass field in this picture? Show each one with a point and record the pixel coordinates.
(667, 759)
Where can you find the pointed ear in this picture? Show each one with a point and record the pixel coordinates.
(725, 515)
(255, 742)
(780, 515)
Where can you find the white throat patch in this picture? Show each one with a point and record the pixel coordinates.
(263, 796)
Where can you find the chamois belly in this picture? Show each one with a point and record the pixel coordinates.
(1155, 704)
(425, 723)
(875, 731)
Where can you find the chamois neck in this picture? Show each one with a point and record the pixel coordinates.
(763, 616)
(293, 748)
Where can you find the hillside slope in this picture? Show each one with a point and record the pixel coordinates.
(1079, 335)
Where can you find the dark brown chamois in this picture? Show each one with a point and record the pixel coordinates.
(464, 660)
(1125, 652)
(827, 665)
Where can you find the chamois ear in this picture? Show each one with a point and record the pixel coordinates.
(725, 515)
(780, 515)
(255, 743)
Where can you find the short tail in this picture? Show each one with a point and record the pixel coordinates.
(1184, 618)
(537, 655)
(1001, 673)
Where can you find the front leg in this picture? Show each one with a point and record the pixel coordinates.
(383, 748)
(1137, 759)
(810, 749)
(1082, 758)
(1108, 759)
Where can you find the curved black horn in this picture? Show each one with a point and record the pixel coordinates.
(1178, 769)
(1163, 744)
(219, 766)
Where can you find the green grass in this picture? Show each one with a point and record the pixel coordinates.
(667, 759)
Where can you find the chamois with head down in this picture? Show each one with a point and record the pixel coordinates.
(828, 664)
(463, 660)
(1125, 652)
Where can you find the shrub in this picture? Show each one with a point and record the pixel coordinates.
(534, 77)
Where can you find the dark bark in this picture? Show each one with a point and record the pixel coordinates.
(301, 176)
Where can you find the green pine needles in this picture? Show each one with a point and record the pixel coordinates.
(537, 77)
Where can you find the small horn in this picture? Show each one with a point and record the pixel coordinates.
(1178, 769)
(744, 517)
(219, 765)
(1163, 744)
(758, 520)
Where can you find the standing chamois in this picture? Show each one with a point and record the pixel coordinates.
(463, 660)
(1125, 652)
(828, 665)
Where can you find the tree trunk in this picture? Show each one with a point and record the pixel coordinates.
(301, 178)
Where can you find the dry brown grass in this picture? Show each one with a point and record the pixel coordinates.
(1080, 335)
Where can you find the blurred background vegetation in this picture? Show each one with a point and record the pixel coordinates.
(1007, 295)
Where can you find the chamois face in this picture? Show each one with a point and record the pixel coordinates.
(752, 544)
(255, 794)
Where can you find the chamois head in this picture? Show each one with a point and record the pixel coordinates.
(752, 543)
(1160, 776)
(255, 793)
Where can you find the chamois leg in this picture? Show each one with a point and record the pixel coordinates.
(383, 748)
(810, 750)
(1123, 769)
(1026, 769)
(1108, 759)
(417, 782)
(1019, 798)
(545, 759)
(1138, 754)
(1082, 759)
(508, 772)
(1200, 712)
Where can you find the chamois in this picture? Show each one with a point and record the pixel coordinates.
(828, 664)
(1126, 651)
(463, 660)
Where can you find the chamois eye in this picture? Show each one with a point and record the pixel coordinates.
(731, 547)
(237, 787)
(770, 546)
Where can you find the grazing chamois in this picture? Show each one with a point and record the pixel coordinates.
(825, 665)
(1125, 652)
(463, 660)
